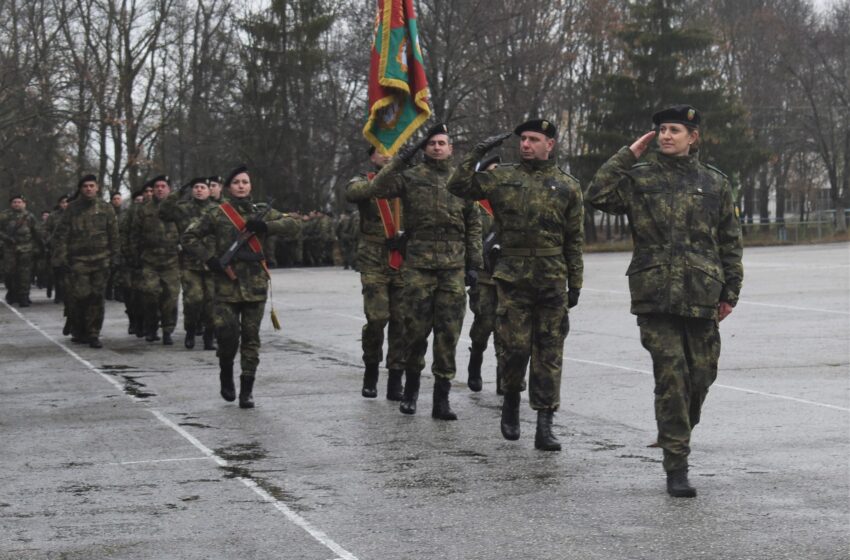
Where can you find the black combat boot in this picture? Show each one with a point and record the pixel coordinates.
(476, 356)
(151, 335)
(225, 376)
(441, 410)
(66, 330)
(209, 340)
(370, 381)
(544, 438)
(189, 341)
(678, 485)
(510, 416)
(94, 342)
(24, 302)
(246, 388)
(411, 393)
(394, 388)
(166, 339)
(499, 390)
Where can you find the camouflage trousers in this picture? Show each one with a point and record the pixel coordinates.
(198, 294)
(17, 273)
(483, 301)
(531, 325)
(160, 288)
(684, 361)
(237, 322)
(433, 300)
(134, 298)
(382, 303)
(86, 285)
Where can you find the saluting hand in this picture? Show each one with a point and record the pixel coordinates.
(642, 144)
(493, 141)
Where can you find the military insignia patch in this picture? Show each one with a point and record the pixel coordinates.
(544, 125)
(691, 114)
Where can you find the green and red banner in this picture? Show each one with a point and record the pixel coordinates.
(398, 88)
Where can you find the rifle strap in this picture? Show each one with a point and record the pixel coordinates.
(239, 223)
(485, 204)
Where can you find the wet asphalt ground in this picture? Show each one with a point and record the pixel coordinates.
(128, 452)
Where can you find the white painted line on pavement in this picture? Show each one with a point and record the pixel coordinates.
(155, 461)
(730, 387)
(296, 519)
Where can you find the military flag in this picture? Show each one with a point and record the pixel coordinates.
(398, 88)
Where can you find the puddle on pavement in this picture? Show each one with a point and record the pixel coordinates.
(132, 386)
(73, 465)
(194, 425)
(605, 446)
(274, 490)
(111, 367)
(80, 489)
(642, 458)
(242, 452)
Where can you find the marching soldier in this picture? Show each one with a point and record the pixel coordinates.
(381, 281)
(87, 249)
(215, 188)
(183, 207)
(49, 242)
(539, 217)
(242, 285)
(686, 270)
(115, 285)
(21, 239)
(134, 298)
(443, 254)
(153, 242)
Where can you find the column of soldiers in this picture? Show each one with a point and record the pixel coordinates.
(512, 233)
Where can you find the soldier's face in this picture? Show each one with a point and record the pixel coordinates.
(379, 160)
(675, 139)
(161, 190)
(44, 216)
(148, 193)
(200, 191)
(439, 147)
(17, 204)
(63, 204)
(215, 190)
(240, 186)
(139, 199)
(89, 190)
(535, 145)
(116, 200)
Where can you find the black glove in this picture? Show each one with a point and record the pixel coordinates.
(213, 265)
(491, 142)
(572, 297)
(257, 226)
(471, 278)
(406, 154)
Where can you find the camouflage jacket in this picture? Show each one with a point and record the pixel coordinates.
(487, 224)
(444, 231)
(87, 233)
(535, 206)
(371, 246)
(153, 241)
(182, 212)
(125, 224)
(687, 239)
(19, 231)
(213, 233)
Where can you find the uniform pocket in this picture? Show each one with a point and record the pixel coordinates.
(704, 281)
(648, 279)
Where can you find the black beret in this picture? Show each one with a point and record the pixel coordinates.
(90, 178)
(113, 193)
(195, 181)
(370, 151)
(159, 178)
(485, 163)
(215, 179)
(680, 114)
(435, 130)
(234, 173)
(148, 184)
(543, 126)
(61, 198)
(137, 192)
(16, 195)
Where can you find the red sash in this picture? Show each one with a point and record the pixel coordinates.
(485, 204)
(394, 257)
(239, 224)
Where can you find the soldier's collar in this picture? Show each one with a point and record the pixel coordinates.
(441, 164)
(677, 161)
(538, 164)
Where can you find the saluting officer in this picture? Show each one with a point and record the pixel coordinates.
(539, 217)
(240, 301)
(443, 254)
(686, 270)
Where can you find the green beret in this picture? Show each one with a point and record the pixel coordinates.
(543, 126)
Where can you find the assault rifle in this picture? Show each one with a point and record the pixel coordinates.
(241, 240)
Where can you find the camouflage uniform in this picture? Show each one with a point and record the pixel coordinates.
(444, 238)
(49, 242)
(687, 259)
(196, 280)
(239, 304)
(87, 246)
(134, 297)
(539, 216)
(21, 238)
(483, 303)
(346, 234)
(382, 286)
(153, 242)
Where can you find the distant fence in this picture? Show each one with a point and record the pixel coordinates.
(787, 232)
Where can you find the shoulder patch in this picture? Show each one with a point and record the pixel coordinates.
(716, 170)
